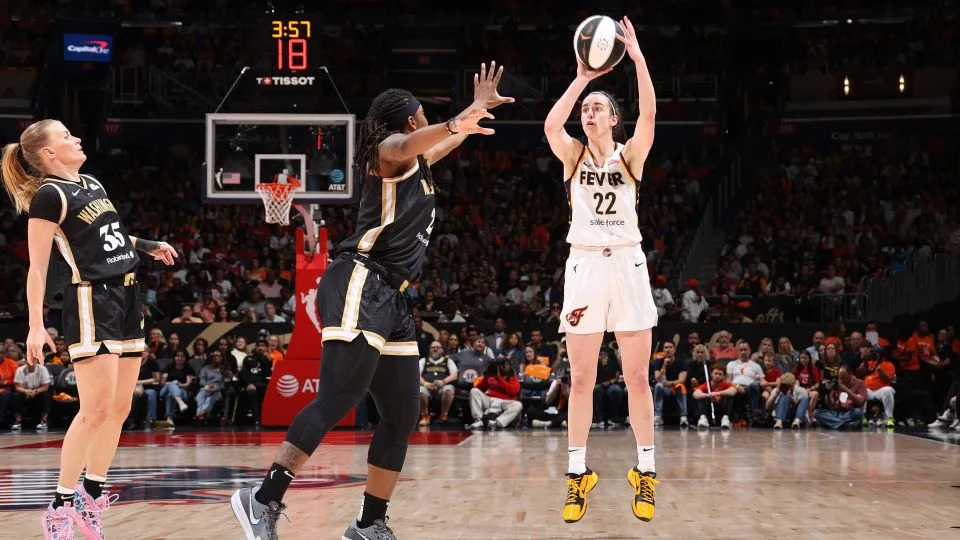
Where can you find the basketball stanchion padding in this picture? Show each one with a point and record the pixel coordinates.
(277, 199)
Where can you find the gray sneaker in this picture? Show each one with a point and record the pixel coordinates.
(377, 531)
(259, 521)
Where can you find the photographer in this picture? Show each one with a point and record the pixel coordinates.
(786, 396)
(495, 397)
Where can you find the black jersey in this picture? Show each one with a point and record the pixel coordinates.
(90, 237)
(395, 221)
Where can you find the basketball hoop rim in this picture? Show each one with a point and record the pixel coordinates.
(279, 191)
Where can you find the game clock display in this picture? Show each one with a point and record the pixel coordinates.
(291, 42)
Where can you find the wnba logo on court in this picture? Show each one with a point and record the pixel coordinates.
(288, 385)
(574, 316)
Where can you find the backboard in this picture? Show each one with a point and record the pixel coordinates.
(244, 150)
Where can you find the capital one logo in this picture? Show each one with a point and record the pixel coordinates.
(93, 46)
(289, 386)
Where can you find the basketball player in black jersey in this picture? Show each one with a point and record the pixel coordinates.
(102, 317)
(369, 340)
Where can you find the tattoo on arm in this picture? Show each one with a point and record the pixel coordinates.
(150, 247)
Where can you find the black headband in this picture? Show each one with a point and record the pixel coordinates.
(399, 120)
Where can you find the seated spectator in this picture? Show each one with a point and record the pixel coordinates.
(948, 419)
(32, 393)
(254, 376)
(541, 347)
(273, 347)
(186, 316)
(787, 356)
(715, 397)
(239, 353)
(608, 384)
(699, 365)
(558, 396)
(771, 375)
(788, 396)
(844, 405)
(513, 349)
(438, 372)
(745, 374)
(147, 389)
(8, 371)
(271, 315)
(723, 350)
(495, 397)
(670, 376)
(661, 295)
(175, 385)
(498, 340)
(475, 357)
(213, 378)
(693, 302)
(171, 348)
(808, 376)
(877, 374)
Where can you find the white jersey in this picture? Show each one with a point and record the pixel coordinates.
(603, 202)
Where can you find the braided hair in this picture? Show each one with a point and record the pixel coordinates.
(376, 127)
(619, 133)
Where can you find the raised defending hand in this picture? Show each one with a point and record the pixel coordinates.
(629, 39)
(485, 92)
(468, 121)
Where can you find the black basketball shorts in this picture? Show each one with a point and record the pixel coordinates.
(103, 318)
(352, 300)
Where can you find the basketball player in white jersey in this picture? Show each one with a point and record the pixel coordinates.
(607, 285)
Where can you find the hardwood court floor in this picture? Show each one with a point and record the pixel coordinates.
(508, 485)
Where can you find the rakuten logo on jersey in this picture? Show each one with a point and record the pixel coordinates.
(289, 386)
(285, 81)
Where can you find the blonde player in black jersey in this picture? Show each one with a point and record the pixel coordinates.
(102, 317)
(607, 286)
(369, 339)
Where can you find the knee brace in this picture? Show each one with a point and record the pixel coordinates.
(388, 449)
(346, 371)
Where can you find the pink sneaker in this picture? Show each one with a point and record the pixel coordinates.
(58, 524)
(89, 511)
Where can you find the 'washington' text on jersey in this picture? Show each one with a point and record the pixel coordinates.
(395, 221)
(90, 234)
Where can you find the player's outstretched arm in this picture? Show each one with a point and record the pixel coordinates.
(485, 96)
(160, 251)
(566, 148)
(638, 146)
(402, 148)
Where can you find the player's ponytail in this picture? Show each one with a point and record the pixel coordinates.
(21, 165)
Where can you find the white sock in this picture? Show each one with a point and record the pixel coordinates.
(96, 478)
(577, 456)
(65, 491)
(645, 459)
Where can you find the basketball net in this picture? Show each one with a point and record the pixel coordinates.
(277, 199)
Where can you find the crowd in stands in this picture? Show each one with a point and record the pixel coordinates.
(839, 380)
(832, 217)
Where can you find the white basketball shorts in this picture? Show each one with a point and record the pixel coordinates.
(607, 289)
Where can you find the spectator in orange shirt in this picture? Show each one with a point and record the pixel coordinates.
(273, 345)
(919, 350)
(724, 351)
(877, 373)
(8, 370)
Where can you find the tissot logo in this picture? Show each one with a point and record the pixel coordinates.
(285, 81)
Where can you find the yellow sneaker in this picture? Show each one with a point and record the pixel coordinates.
(578, 485)
(644, 486)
